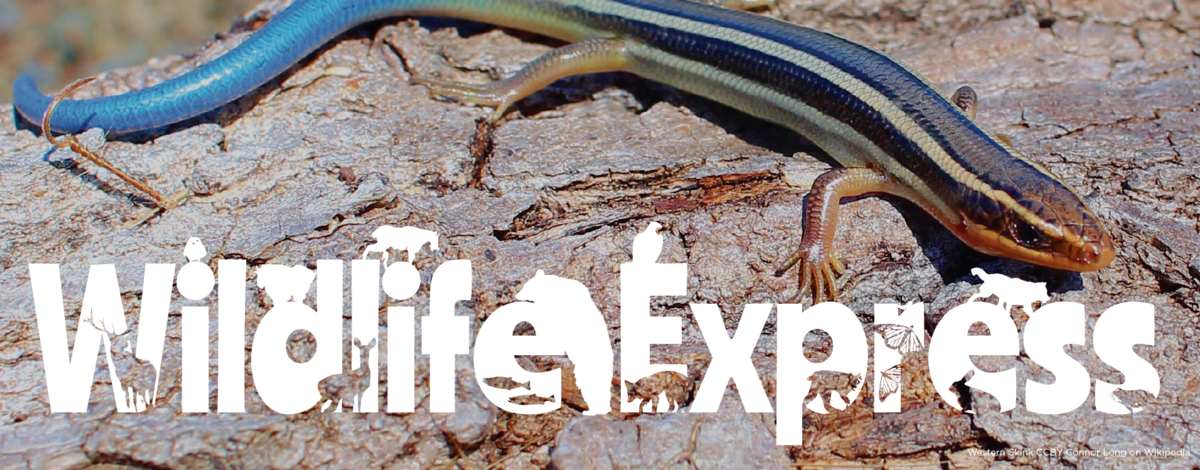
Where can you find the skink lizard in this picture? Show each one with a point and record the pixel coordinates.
(892, 131)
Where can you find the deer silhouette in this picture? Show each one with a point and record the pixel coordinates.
(138, 377)
(347, 386)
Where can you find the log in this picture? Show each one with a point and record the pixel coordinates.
(1106, 93)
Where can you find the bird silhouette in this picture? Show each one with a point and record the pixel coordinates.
(648, 244)
(194, 250)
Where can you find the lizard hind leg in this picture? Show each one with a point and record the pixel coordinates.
(591, 56)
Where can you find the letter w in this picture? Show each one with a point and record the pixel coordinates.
(69, 377)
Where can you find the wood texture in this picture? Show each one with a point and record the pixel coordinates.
(1106, 93)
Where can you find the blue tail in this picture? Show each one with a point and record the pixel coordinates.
(293, 34)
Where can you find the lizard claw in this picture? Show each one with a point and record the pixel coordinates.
(464, 92)
(494, 95)
(819, 271)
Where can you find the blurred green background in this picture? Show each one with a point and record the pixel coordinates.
(58, 41)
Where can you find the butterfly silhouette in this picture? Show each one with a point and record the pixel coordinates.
(889, 382)
(903, 339)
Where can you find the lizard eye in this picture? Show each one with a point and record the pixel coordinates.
(1027, 235)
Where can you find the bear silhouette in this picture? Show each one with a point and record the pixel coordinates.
(589, 348)
(283, 283)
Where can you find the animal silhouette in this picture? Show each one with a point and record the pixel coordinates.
(1133, 400)
(960, 389)
(890, 381)
(677, 387)
(285, 284)
(1010, 292)
(194, 250)
(648, 244)
(584, 332)
(347, 386)
(530, 399)
(903, 338)
(409, 239)
(824, 383)
(506, 383)
(138, 377)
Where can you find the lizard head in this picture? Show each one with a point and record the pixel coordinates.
(1035, 218)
